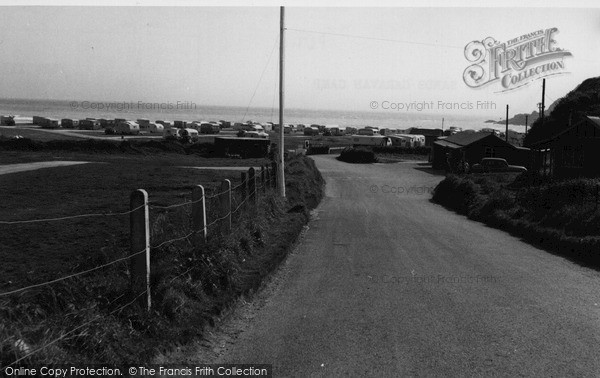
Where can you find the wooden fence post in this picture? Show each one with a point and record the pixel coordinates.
(267, 177)
(252, 187)
(274, 176)
(244, 190)
(139, 223)
(262, 178)
(199, 212)
(225, 201)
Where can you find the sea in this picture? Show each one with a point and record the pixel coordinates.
(188, 111)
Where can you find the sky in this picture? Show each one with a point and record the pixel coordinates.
(343, 58)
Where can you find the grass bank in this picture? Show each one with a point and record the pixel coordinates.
(94, 318)
(560, 216)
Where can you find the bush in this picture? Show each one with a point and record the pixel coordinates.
(317, 150)
(358, 155)
(560, 216)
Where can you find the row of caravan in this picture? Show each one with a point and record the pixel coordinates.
(192, 129)
(399, 140)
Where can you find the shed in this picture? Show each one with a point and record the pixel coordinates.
(245, 147)
(475, 146)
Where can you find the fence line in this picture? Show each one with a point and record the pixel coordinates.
(70, 217)
(71, 275)
(139, 221)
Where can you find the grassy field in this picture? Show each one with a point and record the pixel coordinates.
(95, 316)
(27, 132)
(103, 186)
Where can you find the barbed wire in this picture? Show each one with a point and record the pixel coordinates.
(71, 275)
(64, 335)
(71, 217)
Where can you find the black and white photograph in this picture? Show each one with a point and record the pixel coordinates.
(296, 188)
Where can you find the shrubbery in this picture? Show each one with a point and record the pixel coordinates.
(359, 155)
(562, 216)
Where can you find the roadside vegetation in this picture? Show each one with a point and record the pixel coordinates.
(94, 318)
(561, 216)
(358, 155)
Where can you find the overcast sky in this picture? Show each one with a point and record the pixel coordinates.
(335, 58)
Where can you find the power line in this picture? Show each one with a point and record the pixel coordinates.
(259, 80)
(376, 39)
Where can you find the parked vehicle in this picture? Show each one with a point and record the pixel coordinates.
(191, 135)
(89, 124)
(496, 165)
(350, 130)
(311, 131)
(408, 140)
(180, 124)
(333, 130)
(366, 131)
(144, 124)
(208, 128)
(127, 128)
(252, 127)
(7, 120)
(400, 140)
(375, 140)
(255, 134)
(172, 132)
(50, 123)
(166, 124)
(156, 128)
(37, 120)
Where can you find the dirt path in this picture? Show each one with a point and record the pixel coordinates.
(22, 167)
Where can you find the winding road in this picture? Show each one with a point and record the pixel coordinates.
(386, 283)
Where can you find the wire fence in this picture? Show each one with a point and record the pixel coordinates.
(222, 205)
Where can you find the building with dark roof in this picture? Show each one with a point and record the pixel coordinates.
(571, 152)
(474, 146)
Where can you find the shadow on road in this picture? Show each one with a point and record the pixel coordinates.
(426, 167)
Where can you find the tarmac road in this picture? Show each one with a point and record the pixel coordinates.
(390, 284)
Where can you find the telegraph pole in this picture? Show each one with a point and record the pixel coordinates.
(526, 117)
(543, 106)
(506, 133)
(281, 165)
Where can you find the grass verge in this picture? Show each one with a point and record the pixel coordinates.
(562, 216)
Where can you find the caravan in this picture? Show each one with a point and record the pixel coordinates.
(375, 140)
(127, 128)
